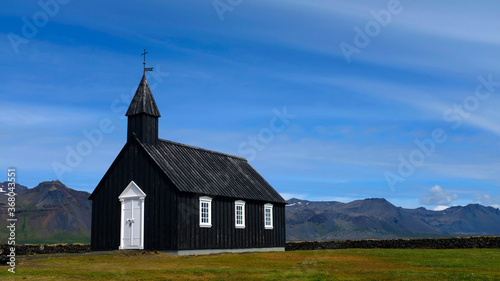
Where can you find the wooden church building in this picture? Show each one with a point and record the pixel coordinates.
(168, 196)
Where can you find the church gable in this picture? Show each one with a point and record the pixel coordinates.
(116, 162)
(128, 158)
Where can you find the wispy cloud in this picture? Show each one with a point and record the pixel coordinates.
(486, 199)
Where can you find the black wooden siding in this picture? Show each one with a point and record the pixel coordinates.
(144, 126)
(223, 234)
(160, 213)
(171, 218)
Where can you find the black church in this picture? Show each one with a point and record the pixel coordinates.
(168, 196)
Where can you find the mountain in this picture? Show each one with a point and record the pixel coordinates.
(49, 213)
(378, 219)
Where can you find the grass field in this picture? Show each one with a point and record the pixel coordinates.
(350, 264)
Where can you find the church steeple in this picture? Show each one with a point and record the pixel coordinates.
(143, 114)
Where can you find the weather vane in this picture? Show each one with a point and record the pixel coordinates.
(144, 63)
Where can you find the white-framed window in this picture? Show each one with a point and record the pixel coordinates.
(205, 211)
(268, 216)
(239, 214)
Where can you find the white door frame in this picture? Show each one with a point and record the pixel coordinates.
(131, 192)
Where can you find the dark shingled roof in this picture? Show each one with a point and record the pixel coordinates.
(143, 101)
(207, 172)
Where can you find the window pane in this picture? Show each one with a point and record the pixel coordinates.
(268, 217)
(239, 215)
(205, 209)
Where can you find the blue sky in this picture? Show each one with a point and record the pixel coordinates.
(408, 111)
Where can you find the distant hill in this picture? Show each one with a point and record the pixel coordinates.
(49, 213)
(53, 213)
(379, 219)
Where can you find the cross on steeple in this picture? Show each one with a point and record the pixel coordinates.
(144, 63)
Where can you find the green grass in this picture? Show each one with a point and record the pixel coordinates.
(350, 264)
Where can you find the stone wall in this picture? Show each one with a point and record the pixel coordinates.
(33, 249)
(431, 243)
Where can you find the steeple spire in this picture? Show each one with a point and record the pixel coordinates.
(143, 101)
(143, 115)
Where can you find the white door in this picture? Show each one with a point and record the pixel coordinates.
(131, 221)
(132, 217)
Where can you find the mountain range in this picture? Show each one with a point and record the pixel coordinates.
(378, 219)
(53, 213)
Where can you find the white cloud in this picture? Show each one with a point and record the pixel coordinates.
(437, 196)
(440, 208)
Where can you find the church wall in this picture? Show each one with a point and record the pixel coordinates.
(223, 234)
(160, 212)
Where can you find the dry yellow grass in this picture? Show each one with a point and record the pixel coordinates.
(351, 264)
